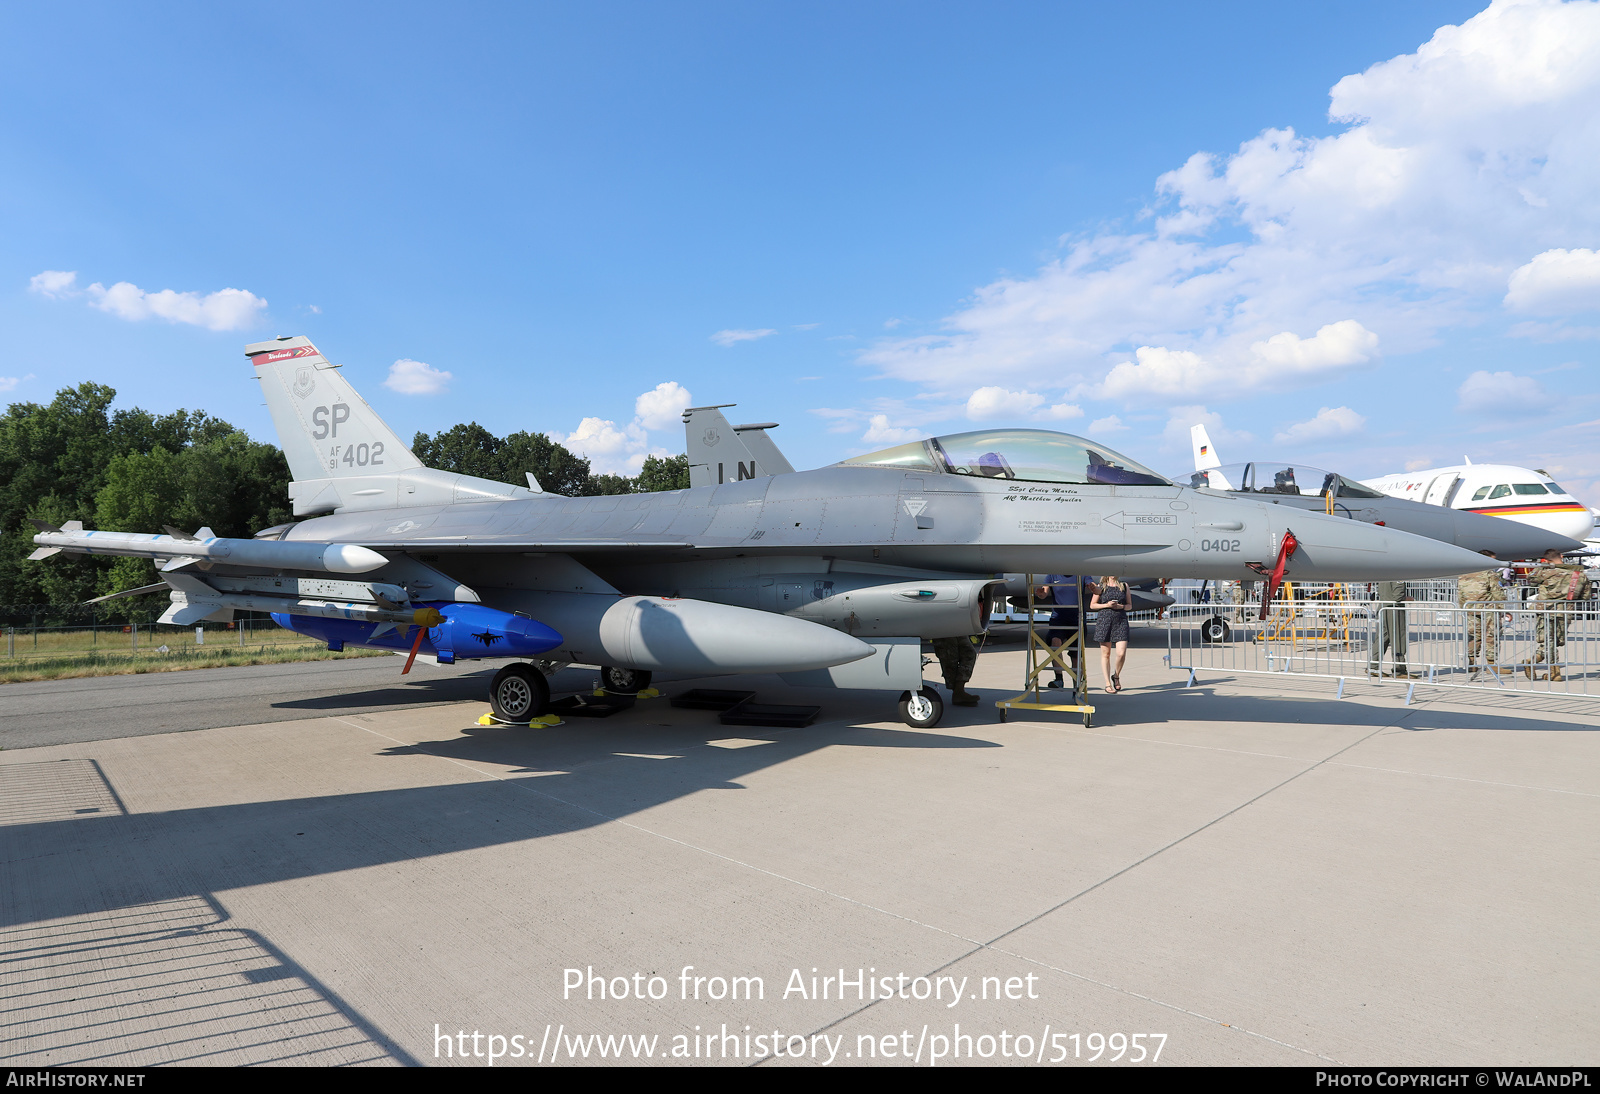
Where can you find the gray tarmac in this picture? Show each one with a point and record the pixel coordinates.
(319, 864)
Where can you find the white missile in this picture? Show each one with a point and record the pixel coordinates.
(204, 547)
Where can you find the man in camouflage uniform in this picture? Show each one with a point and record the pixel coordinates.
(1558, 584)
(1482, 627)
(1391, 628)
(957, 657)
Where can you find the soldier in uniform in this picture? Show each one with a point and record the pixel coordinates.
(1391, 624)
(957, 657)
(1558, 584)
(1482, 627)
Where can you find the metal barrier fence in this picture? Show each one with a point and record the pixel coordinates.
(1500, 647)
(26, 644)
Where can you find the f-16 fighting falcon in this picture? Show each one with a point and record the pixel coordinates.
(833, 575)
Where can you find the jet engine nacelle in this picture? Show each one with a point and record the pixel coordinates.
(681, 635)
(863, 604)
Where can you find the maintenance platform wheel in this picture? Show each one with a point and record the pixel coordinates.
(1088, 719)
(623, 681)
(1214, 629)
(519, 693)
(922, 710)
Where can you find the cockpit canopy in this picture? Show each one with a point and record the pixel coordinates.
(1281, 478)
(1026, 455)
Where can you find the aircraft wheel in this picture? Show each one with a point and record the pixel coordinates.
(623, 681)
(519, 693)
(1214, 629)
(922, 710)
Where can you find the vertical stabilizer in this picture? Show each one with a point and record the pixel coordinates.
(342, 456)
(1205, 453)
(720, 452)
(327, 430)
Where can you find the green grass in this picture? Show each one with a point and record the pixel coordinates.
(64, 653)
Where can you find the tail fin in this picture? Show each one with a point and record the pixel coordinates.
(342, 456)
(719, 452)
(1205, 453)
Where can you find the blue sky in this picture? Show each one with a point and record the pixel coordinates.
(866, 221)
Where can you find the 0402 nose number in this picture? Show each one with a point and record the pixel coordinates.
(1219, 545)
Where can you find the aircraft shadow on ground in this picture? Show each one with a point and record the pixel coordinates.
(122, 860)
(1135, 707)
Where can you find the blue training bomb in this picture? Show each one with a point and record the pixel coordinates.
(469, 632)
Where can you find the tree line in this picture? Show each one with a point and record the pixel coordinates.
(134, 471)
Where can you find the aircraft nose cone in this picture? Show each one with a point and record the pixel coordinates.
(1345, 550)
(1508, 539)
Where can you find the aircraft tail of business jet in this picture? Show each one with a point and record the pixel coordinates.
(342, 456)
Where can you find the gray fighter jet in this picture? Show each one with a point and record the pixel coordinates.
(1301, 486)
(830, 577)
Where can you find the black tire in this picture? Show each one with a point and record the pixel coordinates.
(615, 681)
(519, 693)
(1214, 629)
(923, 710)
(1088, 719)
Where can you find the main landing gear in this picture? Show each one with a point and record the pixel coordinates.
(519, 693)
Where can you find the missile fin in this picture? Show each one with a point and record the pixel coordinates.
(72, 526)
(158, 586)
(180, 564)
(43, 552)
(43, 525)
(176, 533)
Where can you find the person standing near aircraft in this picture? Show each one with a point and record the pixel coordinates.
(1392, 597)
(1060, 592)
(1558, 584)
(1482, 626)
(1111, 628)
(958, 656)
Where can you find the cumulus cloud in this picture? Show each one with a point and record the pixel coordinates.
(1556, 282)
(880, 431)
(609, 448)
(1502, 394)
(662, 407)
(1452, 165)
(54, 283)
(989, 404)
(1284, 360)
(410, 377)
(620, 449)
(9, 383)
(1330, 422)
(1111, 424)
(734, 337)
(225, 309)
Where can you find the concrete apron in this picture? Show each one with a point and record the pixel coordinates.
(1256, 871)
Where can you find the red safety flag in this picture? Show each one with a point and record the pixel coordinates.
(1276, 579)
